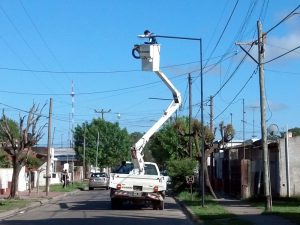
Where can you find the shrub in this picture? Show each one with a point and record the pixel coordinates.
(178, 170)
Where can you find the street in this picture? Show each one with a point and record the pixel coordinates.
(93, 207)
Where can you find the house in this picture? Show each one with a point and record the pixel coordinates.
(60, 159)
(238, 169)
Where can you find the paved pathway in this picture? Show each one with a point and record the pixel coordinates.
(247, 212)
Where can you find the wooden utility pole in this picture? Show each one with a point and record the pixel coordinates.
(261, 52)
(211, 106)
(190, 115)
(49, 149)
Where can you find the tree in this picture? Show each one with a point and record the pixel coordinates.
(114, 142)
(17, 140)
(295, 131)
(4, 160)
(171, 142)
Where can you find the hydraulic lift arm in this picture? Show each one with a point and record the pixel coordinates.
(137, 148)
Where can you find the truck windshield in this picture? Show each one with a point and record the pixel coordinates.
(150, 169)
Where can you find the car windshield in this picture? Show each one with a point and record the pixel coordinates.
(98, 175)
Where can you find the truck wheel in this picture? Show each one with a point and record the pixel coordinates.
(161, 205)
(115, 203)
(158, 205)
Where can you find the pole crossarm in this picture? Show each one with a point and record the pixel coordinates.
(244, 50)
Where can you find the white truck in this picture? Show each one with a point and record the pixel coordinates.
(144, 182)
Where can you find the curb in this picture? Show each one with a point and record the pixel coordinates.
(188, 212)
(38, 203)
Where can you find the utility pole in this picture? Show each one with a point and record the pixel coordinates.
(211, 127)
(84, 172)
(244, 150)
(49, 149)
(260, 63)
(102, 112)
(190, 114)
(97, 151)
(261, 52)
(211, 114)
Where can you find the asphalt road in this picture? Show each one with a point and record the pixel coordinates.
(93, 207)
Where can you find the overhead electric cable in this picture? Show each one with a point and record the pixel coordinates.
(282, 55)
(254, 72)
(284, 19)
(223, 31)
(232, 74)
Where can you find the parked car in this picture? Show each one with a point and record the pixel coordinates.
(99, 180)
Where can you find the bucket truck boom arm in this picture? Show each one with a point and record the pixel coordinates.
(137, 148)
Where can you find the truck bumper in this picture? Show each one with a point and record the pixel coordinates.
(137, 195)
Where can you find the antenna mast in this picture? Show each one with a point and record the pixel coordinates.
(72, 115)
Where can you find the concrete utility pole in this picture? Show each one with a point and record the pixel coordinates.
(49, 149)
(97, 151)
(260, 63)
(190, 115)
(102, 112)
(84, 169)
(261, 52)
(244, 150)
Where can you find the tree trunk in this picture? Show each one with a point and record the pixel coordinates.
(207, 180)
(14, 194)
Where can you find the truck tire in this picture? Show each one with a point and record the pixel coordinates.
(115, 203)
(158, 205)
(161, 205)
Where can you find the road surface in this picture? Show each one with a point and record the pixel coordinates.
(93, 207)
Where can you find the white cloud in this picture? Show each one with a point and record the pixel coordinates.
(274, 106)
(276, 46)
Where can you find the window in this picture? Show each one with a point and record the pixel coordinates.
(150, 169)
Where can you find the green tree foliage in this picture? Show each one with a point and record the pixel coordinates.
(165, 145)
(114, 142)
(178, 170)
(33, 162)
(295, 131)
(4, 161)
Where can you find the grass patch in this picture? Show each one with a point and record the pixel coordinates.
(8, 204)
(213, 213)
(68, 188)
(288, 208)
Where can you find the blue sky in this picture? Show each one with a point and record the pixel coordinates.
(45, 45)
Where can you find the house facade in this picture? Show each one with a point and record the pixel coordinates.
(60, 159)
(238, 170)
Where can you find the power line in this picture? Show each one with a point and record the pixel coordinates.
(281, 21)
(282, 55)
(254, 72)
(232, 74)
(22, 37)
(286, 72)
(222, 33)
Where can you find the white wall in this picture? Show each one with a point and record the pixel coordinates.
(293, 167)
(6, 176)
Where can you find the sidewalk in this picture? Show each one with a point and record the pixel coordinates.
(252, 214)
(38, 199)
